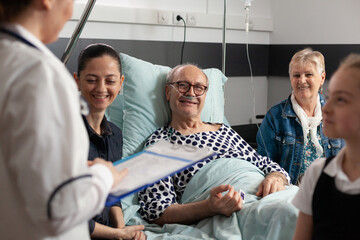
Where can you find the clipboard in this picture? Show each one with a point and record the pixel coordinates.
(153, 164)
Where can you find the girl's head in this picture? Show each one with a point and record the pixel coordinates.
(341, 112)
(307, 74)
(99, 76)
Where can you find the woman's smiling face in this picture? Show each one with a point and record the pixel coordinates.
(100, 82)
(306, 81)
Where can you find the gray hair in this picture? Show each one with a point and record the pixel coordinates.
(171, 74)
(307, 55)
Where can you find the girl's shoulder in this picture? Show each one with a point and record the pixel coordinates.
(317, 166)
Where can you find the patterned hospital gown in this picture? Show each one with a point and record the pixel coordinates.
(225, 142)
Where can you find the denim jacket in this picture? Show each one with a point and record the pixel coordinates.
(282, 134)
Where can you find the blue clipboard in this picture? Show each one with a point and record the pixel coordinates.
(157, 162)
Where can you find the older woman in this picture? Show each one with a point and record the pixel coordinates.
(291, 133)
(186, 91)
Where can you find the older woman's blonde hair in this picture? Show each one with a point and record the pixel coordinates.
(306, 56)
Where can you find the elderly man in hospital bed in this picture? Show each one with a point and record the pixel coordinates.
(170, 200)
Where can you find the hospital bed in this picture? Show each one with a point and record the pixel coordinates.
(141, 108)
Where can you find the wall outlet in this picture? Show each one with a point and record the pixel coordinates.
(163, 17)
(191, 19)
(175, 21)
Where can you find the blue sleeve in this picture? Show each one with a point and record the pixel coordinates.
(265, 138)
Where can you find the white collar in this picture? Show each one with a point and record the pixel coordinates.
(342, 182)
(334, 167)
(23, 32)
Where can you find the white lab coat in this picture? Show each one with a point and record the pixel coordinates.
(43, 143)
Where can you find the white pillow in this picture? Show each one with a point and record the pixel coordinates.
(142, 107)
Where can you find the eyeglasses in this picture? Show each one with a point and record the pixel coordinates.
(184, 87)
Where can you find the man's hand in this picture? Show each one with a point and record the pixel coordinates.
(131, 232)
(273, 182)
(227, 204)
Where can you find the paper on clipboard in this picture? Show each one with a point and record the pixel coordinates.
(155, 163)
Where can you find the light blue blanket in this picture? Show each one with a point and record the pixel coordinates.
(272, 217)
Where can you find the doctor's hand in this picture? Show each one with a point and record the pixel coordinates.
(273, 182)
(227, 204)
(117, 175)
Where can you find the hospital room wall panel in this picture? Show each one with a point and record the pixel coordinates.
(280, 56)
(197, 5)
(239, 99)
(206, 55)
(315, 22)
(326, 25)
(235, 7)
(125, 31)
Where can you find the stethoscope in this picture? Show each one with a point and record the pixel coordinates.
(18, 37)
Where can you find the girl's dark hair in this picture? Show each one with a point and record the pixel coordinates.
(12, 8)
(94, 51)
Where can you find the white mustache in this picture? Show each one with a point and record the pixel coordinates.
(190, 97)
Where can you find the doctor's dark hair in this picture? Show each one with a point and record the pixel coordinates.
(12, 8)
(94, 51)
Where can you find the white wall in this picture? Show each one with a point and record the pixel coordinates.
(311, 22)
(315, 22)
(273, 22)
(138, 20)
(239, 99)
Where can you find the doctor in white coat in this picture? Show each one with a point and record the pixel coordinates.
(47, 189)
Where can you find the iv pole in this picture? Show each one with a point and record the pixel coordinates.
(224, 39)
(79, 27)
